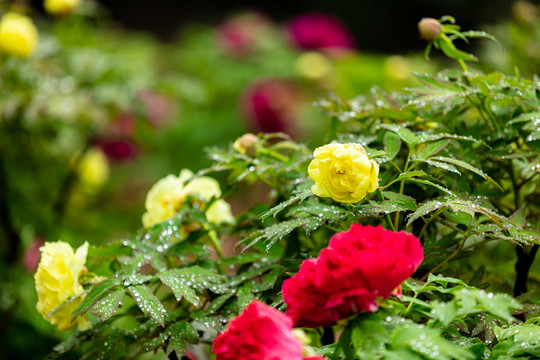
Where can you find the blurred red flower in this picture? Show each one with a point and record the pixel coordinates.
(319, 32)
(238, 36)
(358, 267)
(260, 332)
(271, 105)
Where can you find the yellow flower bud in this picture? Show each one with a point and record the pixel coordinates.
(343, 172)
(18, 35)
(61, 7)
(167, 196)
(57, 279)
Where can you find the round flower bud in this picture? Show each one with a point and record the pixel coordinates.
(61, 7)
(57, 279)
(244, 144)
(430, 29)
(343, 172)
(18, 35)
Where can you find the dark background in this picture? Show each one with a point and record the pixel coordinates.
(380, 25)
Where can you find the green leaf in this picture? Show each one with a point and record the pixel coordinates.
(427, 342)
(449, 49)
(179, 335)
(179, 287)
(96, 293)
(244, 297)
(441, 165)
(480, 34)
(295, 198)
(106, 307)
(467, 166)
(405, 134)
(427, 182)
(432, 148)
(392, 144)
(148, 303)
(401, 200)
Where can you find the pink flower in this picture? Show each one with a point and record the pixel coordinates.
(32, 255)
(319, 32)
(271, 105)
(358, 267)
(260, 332)
(239, 35)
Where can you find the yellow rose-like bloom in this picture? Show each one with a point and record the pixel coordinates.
(61, 7)
(57, 279)
(168, 194)
(343, 172)
(18, 35)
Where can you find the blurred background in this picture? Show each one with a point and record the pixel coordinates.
(118, 94)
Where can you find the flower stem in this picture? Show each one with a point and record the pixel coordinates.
(388, 218)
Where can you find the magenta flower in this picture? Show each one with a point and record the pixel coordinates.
(319, 32)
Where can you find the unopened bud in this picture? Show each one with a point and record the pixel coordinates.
(430, 29)
(244, 144)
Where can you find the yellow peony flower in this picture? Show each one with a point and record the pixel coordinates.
(57, 279)
(163, 200)
(343, 172)
(18, 35)
(61, 7)
(167, 196)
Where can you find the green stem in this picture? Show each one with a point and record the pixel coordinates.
(435, 214)
(388, 218)
(401, 187)
(445, 261)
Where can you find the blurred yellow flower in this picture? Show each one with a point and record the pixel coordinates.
(57, 279)
(61, 7)
(244, 144)
(93, 170)
(343, 172)
(313, 65)
(168, 194)
(18, 35)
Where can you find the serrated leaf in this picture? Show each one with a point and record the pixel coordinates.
(106, 307)
(96, 293)
(179, 335)
(243, 297)
(148, 303)
(431, 346)
(401, 200)
(392, 144)
(179, 287)
(425, 209)
(295, 198)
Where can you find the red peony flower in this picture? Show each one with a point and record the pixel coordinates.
(319, 32)
(271, 105)
(260, 332)
(358, 267)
